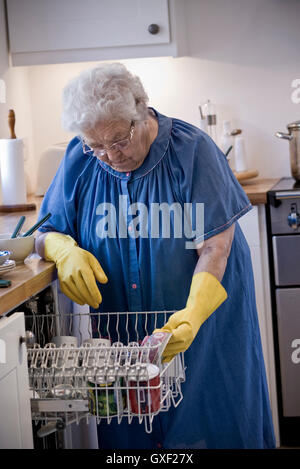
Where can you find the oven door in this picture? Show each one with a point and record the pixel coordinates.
(286, 260)
(288, 317)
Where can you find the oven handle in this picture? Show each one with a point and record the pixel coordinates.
(275, 198)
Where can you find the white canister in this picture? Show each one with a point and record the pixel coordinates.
(240, 155)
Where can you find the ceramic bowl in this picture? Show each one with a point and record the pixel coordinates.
(19, 247)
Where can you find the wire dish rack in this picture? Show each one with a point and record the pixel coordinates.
(93, 365)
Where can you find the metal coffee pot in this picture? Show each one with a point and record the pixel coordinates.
(294, 138)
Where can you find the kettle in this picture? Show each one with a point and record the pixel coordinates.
(294, 138)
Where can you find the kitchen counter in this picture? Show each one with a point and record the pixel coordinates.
(31, 277)
(257, 189)
(35, 274)
(27, 280)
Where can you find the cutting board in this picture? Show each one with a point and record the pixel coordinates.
(244, 175)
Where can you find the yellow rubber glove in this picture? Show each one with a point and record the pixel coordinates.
(77, 269)
(206, 295)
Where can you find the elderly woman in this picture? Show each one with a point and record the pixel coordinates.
(128, 156)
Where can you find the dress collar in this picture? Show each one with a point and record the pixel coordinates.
(156, 153)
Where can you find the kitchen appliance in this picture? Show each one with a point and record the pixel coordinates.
(294, 138)
(283, 228)
(48, 165)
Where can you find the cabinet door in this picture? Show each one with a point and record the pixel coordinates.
(15, 412)
(43, 25)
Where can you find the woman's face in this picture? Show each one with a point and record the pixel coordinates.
(106, 133)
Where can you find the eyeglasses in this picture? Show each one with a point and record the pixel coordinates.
(101, 150)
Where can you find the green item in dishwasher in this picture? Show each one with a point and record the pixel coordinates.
(105, 399)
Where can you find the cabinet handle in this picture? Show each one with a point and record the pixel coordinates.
(153, 28)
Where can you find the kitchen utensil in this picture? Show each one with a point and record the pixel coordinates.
(19, 247)
(18, 227)
(4, 256)
(229, 150)
(36, 226)
(294, 138)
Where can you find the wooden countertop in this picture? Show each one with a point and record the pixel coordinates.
(35, 274)
(26, 280)
(31, 277)
(257, 189)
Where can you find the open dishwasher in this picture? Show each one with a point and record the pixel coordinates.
(101, 366)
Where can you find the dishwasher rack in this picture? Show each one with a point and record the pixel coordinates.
(114, 379)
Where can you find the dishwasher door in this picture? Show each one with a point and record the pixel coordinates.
(288, 317)
(15, 415)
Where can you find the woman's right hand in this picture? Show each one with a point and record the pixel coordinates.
(77, 269)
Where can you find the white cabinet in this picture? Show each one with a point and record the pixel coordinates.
(59, 31)
(253, 225)
(15, 411)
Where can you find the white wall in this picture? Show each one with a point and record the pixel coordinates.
(244, 56)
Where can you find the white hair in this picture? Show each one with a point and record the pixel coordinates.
(106, 92)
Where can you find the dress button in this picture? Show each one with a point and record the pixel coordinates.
(127, 174)
(134, 286)
(130, 228)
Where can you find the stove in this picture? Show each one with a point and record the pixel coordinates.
(283, 226)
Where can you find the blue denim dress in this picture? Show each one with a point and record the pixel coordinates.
(226, 403)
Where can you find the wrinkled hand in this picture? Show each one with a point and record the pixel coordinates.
(77, 269)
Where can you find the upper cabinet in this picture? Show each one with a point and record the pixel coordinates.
(58, 31)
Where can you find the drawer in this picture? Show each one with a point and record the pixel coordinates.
(286, 260)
